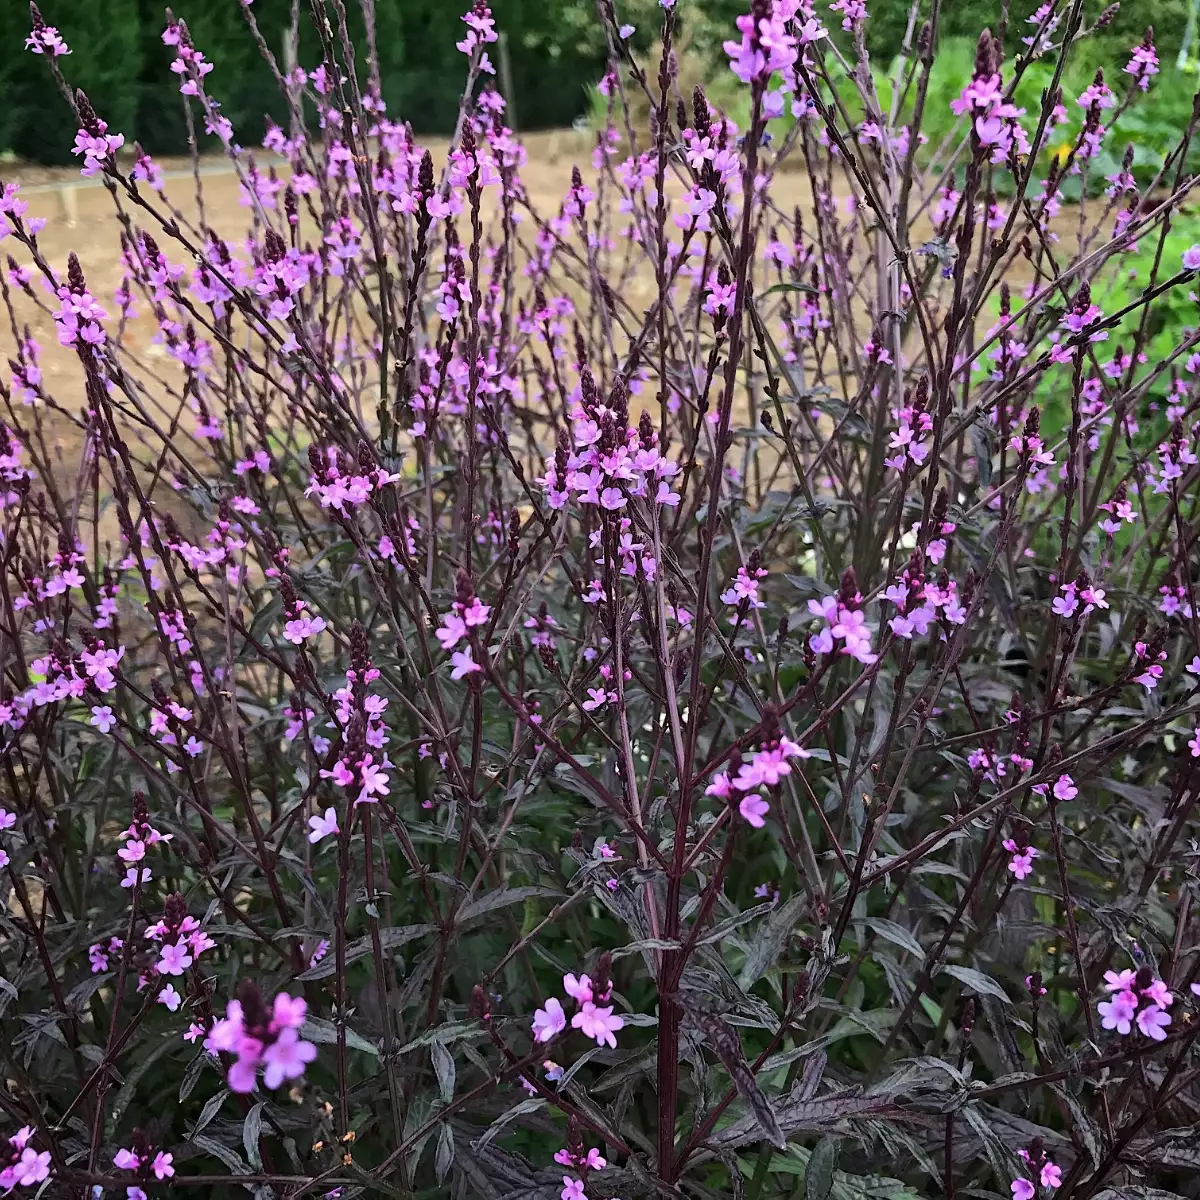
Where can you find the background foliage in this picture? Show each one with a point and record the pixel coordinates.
(555, 47)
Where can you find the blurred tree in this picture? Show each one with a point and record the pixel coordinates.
(106, 61)
(556, 49)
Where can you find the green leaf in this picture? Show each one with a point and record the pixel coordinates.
(788, 287)
(212, 1106)
(502, 898)
(771, 939)
(443, 1068)
(892, 932)
(977, 982)
(234, 1161)
(818, 1178)
(389, 939)
(251, 1129)
(444, 1156)
(324, 1033)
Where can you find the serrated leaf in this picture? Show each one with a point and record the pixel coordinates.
(443, 1158)
(728, 1047)
(724, 928)
(453, 1031)
(527, 1107)
(212, 1106)
(129, 1089)
(324, 1033)
(191, 1076)
(895, 933)
(787, 287)
(818, 1177)
(644, 944)
(389, 939)
(808, 1116)
(1136, 1191)
(231, 1158)
(251, 1130)
(977, 981)
(502, 898)
(771, 939)
(443, 1068)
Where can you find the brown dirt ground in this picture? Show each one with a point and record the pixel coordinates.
(81, 217)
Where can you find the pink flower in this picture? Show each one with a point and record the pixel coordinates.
(1117, 1013)
(46, 40)
(1022, 1189)
(1119, 982)
(161, 1166)
(572, 1189)
(1191, 258)
(322, 826)
(597, 698)
(1021, 864)
(1051, 1176)
(1064, 788)
(302, 628)
(174, 960)
(374, 781)
(550, 1021)
(1157, 993)
(598, 1023)
(31, 1167)
(754, 809)
(1152, 1021)
(288, 1012)
(580, 990)
(463, 664)
(453, 629)
(286, 1058)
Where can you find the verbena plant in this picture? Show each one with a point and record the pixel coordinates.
(467, 732)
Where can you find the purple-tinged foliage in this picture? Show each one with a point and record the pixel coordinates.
(705, 624)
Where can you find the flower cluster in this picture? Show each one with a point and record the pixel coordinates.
(766, 769)
(179, 940)
(1042, 1170)
(43, 38)
(264, 1040)
(467, 613)
(575, 1157)
(843, 621)
(1136, 997)
(144, 1161)
(138, 839)
(22, 1165)
(611, 462)
(995, 120)
(1021, 862)
(595, 1018)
